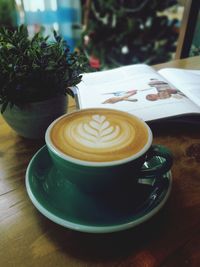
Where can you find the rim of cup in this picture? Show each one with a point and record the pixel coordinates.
(62, 155)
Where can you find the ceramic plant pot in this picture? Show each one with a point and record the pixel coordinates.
(32, 120)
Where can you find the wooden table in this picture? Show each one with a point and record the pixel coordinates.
(171, 238)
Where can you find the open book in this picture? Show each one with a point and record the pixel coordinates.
(142, 91)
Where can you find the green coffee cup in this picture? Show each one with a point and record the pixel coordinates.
(101, 149)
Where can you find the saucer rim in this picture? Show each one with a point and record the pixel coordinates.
(89, 228)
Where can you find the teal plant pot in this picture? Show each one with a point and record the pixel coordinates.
(32, 120)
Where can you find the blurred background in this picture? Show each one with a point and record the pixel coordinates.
(110, 32)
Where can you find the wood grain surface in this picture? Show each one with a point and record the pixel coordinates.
(169, 239)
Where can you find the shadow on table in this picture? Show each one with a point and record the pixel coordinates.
(107, 247)
(175, 127)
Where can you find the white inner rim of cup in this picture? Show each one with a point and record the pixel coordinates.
(60, 154)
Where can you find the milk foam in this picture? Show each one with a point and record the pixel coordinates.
(99, 135)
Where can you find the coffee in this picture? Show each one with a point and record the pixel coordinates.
(99, 135)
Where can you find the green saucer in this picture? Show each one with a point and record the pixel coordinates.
(64, 204)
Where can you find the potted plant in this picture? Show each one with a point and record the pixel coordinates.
(35, 77)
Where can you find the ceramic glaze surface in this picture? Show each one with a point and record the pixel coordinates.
(63, 203)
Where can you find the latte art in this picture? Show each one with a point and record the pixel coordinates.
(99, 135)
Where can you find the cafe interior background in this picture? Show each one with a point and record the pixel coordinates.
(111, 33)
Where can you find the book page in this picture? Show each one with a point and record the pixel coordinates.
(137, 89)
(188, 81)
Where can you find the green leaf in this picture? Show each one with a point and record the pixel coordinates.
(31, 71)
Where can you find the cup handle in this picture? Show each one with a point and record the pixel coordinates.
(162, 167)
